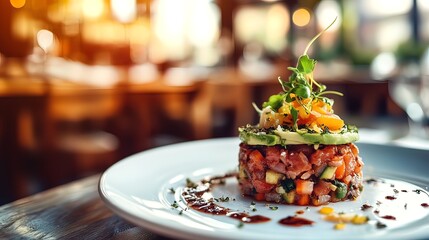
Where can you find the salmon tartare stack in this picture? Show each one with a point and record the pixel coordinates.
(300, 152)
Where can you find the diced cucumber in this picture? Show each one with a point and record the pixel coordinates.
(289, 197)
(328, 173)
(273, 177)
(280, 190)
(341, 190)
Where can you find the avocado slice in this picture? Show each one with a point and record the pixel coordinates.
(259, 138)
(285, 137)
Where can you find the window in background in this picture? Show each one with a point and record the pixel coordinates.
(266, 25)
(377, 26)
(183, 30)
(423, 6)
(326, 11)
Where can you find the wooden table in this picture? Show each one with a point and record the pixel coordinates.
(71, 211)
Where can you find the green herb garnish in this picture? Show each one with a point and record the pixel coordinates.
(174, 204)
(253, 206)
(301, 85)
(224, 199)
(273, 208)
(190, 183)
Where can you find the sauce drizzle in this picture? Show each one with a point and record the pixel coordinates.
(295, 221)
(196, 200)
(246, 218)
(389, 217)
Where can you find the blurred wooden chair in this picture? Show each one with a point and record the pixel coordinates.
(224, 91)
(22, 110)
(77, 143)
(159, 108)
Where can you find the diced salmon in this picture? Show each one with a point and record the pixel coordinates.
(262, 186)
(272, 157)
(303, 165)
(322, 188)
(324, 154)
(296, 163)
(256, 165)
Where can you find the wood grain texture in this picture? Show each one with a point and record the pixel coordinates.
(71, 211)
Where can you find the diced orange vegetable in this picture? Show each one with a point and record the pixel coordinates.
(347, 180)
(304, 186)
(321, 107)
(358, 169)
(285, 109)
(310, 118)
(355, 150)
(332, 121)
(256, 156)
(339, 173)
(304, 199)
(260, 196)
(302, 113)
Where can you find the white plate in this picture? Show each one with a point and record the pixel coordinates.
(137, 189)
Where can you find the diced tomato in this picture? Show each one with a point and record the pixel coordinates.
(255, 162)
(350, 163)
(304, 186)
(322, 188)
(339, 173)
(256, 165)
(262, 186)
(260, 196)
(304, 200)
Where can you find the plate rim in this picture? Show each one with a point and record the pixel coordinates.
(177, 232)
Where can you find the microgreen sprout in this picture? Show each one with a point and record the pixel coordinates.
(301, 85)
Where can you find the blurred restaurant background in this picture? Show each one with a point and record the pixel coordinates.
(85, 83)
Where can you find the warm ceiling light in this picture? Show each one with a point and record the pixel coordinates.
(326, 11)
(301, 17)
(124, 11)
(93, 8)
(17, 3)
(45, 39)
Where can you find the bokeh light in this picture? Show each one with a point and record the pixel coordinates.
(17, 3)
(45, 39)
(326, 11)
(301, 17)
(92, 8)
(124, 10)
